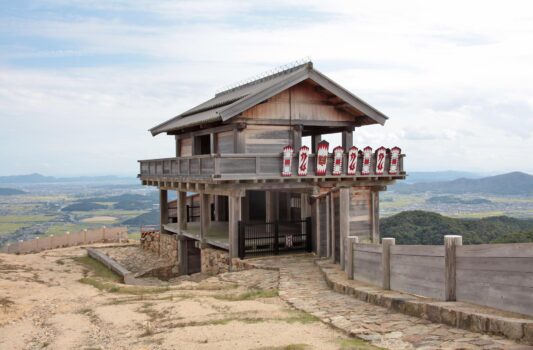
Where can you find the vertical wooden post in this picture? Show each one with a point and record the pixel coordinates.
(297, 137)
(212, 142)
(271, 206)
(178, 145)
(163, 209)
(205, 215)
(315, 140)
(316, 224)
(183, 255)
(374, 208)
(329, 218)
(233, 224)
(304, 205)
(347, 139)
(332, 239)
(386, 243)
(245, 210)
(344, 218)
(349, 255)
(217, 207)
(182, 210)
(450, 244)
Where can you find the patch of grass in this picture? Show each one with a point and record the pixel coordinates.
(356, 344)
(97, 268)
(251, 295)
(9, 227)
(297, 316)
(6, 303)
(286, 347)
(111, 287)
(26, 218)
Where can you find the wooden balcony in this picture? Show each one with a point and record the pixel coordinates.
(245, 166)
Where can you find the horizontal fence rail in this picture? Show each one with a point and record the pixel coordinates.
(246, 165)
(273, 238)
(99, 235)
(494, 275)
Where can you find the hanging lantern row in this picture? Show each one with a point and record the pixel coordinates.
(338, 154)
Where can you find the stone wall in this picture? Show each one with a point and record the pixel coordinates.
(168, 247)
(214, 261)
(150, 241)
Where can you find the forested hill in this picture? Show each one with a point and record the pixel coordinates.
(10, 192)
(515, 183)
(423, 227)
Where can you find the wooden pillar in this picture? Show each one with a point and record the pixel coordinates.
(304, 206)
(331, 248)
(183, 257)
(205, 215)
(181, 208)
(450, 245)
(315, 140)
(347, 139)
(212, 142)
(297, 137)
(271, 206)
(316, 223)
(374, 215)
(233, 225)
(344, 221)
(163, 209)
(217, 207)
(349, 255)
(385, 261)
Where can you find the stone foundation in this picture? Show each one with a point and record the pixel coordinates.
(150, 241)
(168, 247)
(215, 261)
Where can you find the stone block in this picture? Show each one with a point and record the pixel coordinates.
(433, 313)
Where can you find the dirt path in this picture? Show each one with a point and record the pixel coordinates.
(45, 306)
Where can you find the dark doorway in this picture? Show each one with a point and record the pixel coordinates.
(202, 144)
(257, 205)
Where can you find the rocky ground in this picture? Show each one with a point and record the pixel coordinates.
(60, 299)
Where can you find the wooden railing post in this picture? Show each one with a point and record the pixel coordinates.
(349, 255)
(450, 245)
(386, 243)
(276, 237)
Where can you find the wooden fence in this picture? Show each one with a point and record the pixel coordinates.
(494, 275)
(98, 235)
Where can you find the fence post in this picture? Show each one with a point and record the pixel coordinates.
(103, 234)
(349, 255)
(386, 243)
(37, 244)
(52, 242)
(85, 236)
(450, 245)
(68, 238)
(276, 237)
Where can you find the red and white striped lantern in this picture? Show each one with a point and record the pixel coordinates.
(287, 161)
(352, 160)
(367, 156)
(303, 161)
(394, 160)
(338, 153)
(381, 153)
(322, 158)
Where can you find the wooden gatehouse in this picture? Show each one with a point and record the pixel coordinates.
(245, 183)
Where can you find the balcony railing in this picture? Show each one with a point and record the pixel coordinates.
(246, 166)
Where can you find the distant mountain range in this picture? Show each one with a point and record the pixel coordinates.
(515, 183)
(436, 176)
(38, 178)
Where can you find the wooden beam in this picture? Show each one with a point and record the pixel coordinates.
(205, 215)
(315, 140)
(450, 246)
(385, 261)
(344, 221)
(163, 210)
(347, 139)
(233, 225)
(182, 210)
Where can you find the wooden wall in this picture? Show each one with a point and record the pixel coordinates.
(496, 275)
(323, 229)
(367, 263)
(264, 138)
(301, 102)
(186, 147)
(360, 214)
(418, 269)
(225, 142)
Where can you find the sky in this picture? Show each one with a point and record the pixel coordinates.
(81, 82)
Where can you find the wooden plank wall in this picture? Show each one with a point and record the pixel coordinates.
(301, 102)
(361, 214)
(336, 225)
(367, 263)
(496, 275)
(225, 142)
(265, 138)
(418, 269)
(186, 147)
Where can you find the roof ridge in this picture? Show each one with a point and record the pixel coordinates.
(268, 75)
